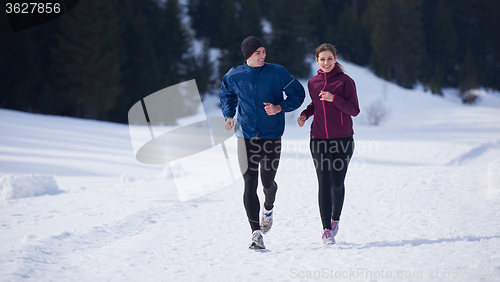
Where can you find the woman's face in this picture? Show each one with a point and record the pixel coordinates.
(326, 61)
(257, 58)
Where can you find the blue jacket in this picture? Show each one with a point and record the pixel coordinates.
(246, 89)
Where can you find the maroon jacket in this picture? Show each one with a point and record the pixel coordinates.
(332, 119)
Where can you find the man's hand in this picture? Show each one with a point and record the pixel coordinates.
(229, 124)
(301, 120)
(272, 109)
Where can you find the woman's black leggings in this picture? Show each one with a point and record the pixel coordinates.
(251, 154)
(331, 158)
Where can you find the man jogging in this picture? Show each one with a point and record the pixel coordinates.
(255, 89)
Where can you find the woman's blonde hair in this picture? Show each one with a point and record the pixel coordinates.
(331, 48)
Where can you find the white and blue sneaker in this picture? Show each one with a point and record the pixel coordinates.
(257, 241)
(266, 221)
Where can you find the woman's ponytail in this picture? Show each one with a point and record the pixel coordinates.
(340, 66)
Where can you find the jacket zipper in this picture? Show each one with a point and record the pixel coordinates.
(324, 110)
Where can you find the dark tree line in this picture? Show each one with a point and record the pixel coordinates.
(99, 59)
(438, 43)
(104, 56)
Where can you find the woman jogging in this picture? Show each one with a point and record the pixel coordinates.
(256, 90)
(334, 101)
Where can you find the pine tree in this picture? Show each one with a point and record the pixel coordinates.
(174, 43)
(441, 44)
(200, 68)
(231, 36)
(291, 35)
(491, 68)
(178, 63)
(24, 79)
(326, 21)
(206, 20)
(397, 40)
(468, 72)
(238, 19)
(86, 61)
(469, 22)
(140, 67)
(21, 68)
(250, 14)
(352, 37)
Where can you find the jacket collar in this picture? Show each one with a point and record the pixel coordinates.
(253, 70)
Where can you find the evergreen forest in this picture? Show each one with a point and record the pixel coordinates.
(100, 58)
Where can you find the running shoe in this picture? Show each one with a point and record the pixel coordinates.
(335, 227)
(327, 237)
(257, 241)
(266, 221)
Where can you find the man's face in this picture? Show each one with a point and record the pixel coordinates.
(257, 58)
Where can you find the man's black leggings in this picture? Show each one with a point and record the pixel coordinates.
(331, 158)
(252, 154)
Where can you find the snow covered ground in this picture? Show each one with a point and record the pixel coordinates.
(422, 202)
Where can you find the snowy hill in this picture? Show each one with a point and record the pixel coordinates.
(422, 201)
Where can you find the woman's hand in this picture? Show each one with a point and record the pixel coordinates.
(326, 96)
(229, 124)
(301, 120)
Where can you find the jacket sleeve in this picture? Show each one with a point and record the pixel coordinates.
(294, 91)
(309, 111)
(349, 105)
(228, 98)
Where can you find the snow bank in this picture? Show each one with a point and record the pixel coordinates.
(13, 186)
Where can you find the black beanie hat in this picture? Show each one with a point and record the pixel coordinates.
(250, 45)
